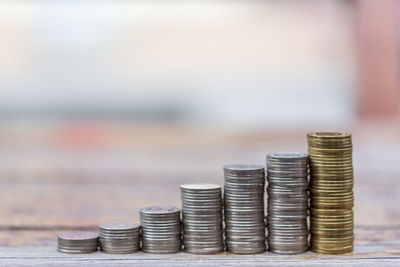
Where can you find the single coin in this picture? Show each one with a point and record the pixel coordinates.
(119, 226)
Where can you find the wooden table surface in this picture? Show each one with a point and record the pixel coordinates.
(71, 177)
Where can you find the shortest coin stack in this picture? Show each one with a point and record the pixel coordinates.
(119, 237)
(77, 242)
(161, 229)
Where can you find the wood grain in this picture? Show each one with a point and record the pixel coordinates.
(45, 189)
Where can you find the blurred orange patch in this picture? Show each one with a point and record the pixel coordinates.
(80, 136)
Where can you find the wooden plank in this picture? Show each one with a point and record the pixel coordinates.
(48, 257)
(373, 246)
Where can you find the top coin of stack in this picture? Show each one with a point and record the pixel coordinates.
(77, 242)
(161, 229)
(331, 168)
(287, 202)
(119, 237)
(244, 208)
(202, 218)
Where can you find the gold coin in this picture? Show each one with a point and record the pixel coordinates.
(331, 192)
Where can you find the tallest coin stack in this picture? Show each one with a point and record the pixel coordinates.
(331, 188)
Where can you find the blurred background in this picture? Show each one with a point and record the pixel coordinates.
(227, 63)
(116, 103)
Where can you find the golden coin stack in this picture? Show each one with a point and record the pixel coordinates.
(331, 187)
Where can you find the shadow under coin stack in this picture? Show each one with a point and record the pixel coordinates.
(119, 237)
(161, 229)
(77, 242)
(202, 218)
(244, 208)
(331, 190)
(287, 175)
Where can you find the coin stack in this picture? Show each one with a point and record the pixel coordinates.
(202, 218)
(331, 190)
(287, 175)
(244, 208)
(119, 237)
(161, 229)
(77, 242)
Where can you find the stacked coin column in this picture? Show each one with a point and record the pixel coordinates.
(78, 242)
(161, 229)
(119, 237)
(244, 208)
(287, 175)
(331, 190)
(202, 218)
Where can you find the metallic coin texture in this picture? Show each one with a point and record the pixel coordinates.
(202, 218)
(161, 229)
(331, 188)
(119, 237)
(77, 242)
(244, 208)
(287, 209)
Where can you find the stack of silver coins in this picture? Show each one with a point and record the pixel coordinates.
(161, 229)
(287, 175)
(77, 242)
(244, 208)
(119, 237)
(202, 218)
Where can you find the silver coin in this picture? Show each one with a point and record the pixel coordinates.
(77, 242)
(243, 167)
(159, 210)
(119, 226)
(198, 188)
(119, 237)
(202, 218)
(244, 208)
(161, 229)
(78, 236)
(287, 210)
